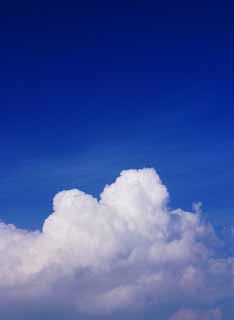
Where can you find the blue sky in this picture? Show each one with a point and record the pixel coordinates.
(91, 88)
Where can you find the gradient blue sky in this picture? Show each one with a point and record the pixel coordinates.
(90, 88)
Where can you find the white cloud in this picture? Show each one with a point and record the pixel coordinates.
(122, 252)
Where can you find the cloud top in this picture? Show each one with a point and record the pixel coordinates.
(125, 251)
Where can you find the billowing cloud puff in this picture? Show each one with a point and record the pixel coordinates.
(126, 251)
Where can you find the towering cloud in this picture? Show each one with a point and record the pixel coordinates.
(126, 251)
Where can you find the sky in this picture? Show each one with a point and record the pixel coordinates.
(87, 90)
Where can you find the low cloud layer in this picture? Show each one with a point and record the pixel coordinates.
(125, 252)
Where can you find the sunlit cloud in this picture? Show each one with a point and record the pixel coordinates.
(122, 252)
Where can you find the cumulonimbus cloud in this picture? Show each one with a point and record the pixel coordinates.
(124, 251)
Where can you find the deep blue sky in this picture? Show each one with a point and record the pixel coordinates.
(89, 88)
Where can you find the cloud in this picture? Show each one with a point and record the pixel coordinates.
(183, 314)
(126, 251)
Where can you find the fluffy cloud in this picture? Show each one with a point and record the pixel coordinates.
(125, 251)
